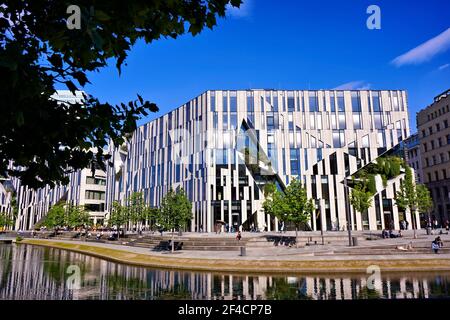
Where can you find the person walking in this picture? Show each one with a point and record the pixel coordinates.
(238, 236)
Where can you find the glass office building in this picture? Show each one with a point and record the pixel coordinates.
(224, 146)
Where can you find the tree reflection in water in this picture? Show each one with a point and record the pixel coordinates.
(28, 272)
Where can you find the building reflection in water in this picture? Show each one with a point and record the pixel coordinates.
(40, 273)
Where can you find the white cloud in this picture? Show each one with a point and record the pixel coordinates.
(426, 51)
(354, 85)
(444, 66)
(242, 12)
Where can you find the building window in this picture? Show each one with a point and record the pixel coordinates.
(97, 181)
(356, 102)
(313, 103)
(215, 120)
(357, 121)
(233, 101)
(94, 195)
(225, 121)
(340, 101)
(290, 101)
(342, 122)
(430, 130)
(295, 161)
(95, 207)
(438, 127)
(225, 102)
(446, 124)
(250, 104)
(338, 138)
(332, 102)
(376, 101)
(425, 147)
(312, 121)
(212, 101)
(395, 101)
(233, 120)
(378, 120)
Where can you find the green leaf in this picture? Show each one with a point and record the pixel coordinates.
(71, 86)
(102, 16)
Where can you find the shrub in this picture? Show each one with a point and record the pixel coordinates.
(371, 185)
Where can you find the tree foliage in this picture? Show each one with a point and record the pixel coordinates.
(77, 216)
(424, 199)
(55, 218)
(175, 210)
(117, 216)
(45, 139)
(292, 205)
(360, 198)
(5, 220)
(406, 197)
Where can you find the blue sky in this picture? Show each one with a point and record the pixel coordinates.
(294, 45)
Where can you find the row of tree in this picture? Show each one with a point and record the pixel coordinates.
(61, 215)
(174, 213)
(293, 205)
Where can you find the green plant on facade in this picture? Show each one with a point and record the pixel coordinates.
(387, 167)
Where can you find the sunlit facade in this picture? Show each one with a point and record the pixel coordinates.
(222, 147)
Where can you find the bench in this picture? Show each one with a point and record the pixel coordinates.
(178, 245)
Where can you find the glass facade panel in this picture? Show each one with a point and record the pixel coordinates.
(313, 103)
(340, 101)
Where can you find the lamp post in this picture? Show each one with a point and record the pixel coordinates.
(347, 211)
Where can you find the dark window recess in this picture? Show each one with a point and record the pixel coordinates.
(313, 187)
(347, 164)
(95, 207)
(333, 164)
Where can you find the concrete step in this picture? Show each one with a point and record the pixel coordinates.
(211, 248)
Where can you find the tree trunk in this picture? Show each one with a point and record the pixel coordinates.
(413, 216)
(173, 240)
(296, 236)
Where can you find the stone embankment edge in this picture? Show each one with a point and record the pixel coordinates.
(247, 265)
